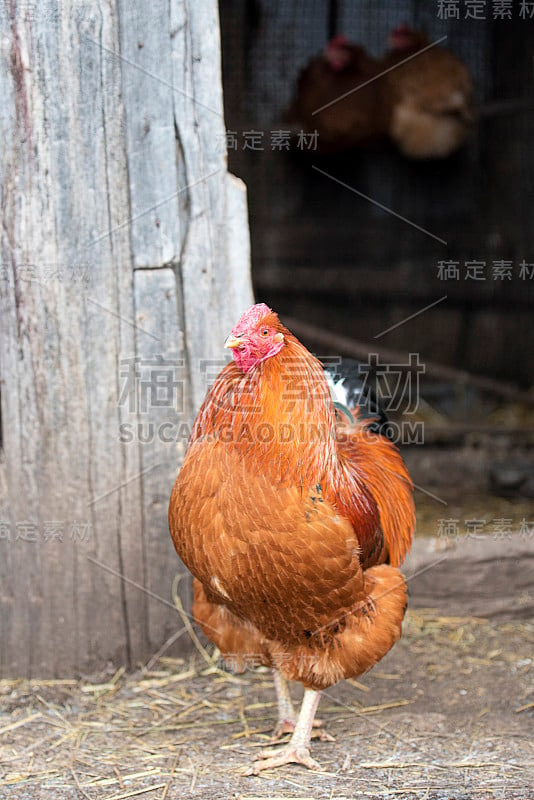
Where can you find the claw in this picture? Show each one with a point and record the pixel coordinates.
(296, 750)
(288, 755)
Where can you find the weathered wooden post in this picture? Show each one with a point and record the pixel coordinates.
(124, 262)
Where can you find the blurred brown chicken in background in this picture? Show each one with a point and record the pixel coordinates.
(328, 98)
(424, 104)
(432, 94)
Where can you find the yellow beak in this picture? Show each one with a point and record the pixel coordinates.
(233, 341)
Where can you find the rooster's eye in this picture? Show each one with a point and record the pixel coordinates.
(265, 332)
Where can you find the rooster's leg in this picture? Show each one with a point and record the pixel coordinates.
(296, 751)
(286, 712)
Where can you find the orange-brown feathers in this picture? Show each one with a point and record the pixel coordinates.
(279, 417)
(382, 471)
(286, 518)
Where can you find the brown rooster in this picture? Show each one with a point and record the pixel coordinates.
(293, 525)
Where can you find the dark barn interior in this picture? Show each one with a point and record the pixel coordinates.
(323, 254)
(370, 254)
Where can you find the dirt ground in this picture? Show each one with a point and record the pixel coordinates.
(447, 714)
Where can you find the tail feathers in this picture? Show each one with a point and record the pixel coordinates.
(382, 470)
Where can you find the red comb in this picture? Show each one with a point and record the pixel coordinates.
(251, 317)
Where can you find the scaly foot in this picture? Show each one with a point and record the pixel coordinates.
(270, 759)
